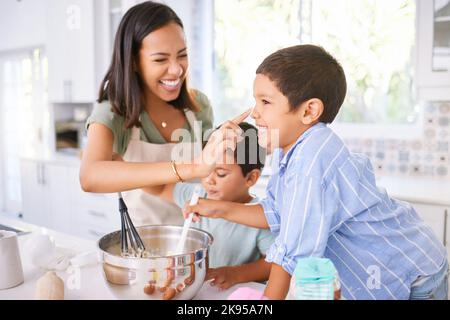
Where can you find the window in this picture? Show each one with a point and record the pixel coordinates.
(23, 118)
(373, 39)
(245, 33)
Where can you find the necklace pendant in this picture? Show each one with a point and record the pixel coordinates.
(163, 124)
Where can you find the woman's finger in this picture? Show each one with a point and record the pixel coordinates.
(231, 126)
(227, 131)
(233, 123)
(242, 116)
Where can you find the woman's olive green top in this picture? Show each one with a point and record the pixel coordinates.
(102, 113)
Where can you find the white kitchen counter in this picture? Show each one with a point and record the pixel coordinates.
(429, 191)
(411, 189)
(90, 279)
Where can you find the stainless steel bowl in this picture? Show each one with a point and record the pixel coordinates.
(163, 276)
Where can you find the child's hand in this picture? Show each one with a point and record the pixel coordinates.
(223, 277)
(204, 207)
(223, 139)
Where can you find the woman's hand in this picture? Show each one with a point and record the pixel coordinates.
(222, 140)
(222, 278)
(204, 207)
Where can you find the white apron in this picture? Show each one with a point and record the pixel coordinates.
(147, 209)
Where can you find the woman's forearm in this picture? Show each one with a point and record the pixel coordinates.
(114, 176)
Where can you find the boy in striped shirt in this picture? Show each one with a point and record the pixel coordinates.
(322, 199)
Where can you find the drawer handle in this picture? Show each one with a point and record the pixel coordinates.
(97, 214)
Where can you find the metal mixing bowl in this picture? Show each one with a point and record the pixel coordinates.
(163, 276)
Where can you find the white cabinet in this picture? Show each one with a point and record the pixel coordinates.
(44, 195)
(34, 205)
(436, 217)
(52, 198)
(433, 49)
(70, 51)
(93, 214)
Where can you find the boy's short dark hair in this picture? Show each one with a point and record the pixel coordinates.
(248, 154)
(303, 72)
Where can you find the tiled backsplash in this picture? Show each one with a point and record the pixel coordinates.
(426, 157)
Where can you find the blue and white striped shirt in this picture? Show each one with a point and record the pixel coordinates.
(322, 200)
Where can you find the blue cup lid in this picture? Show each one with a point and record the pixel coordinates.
(314, 270)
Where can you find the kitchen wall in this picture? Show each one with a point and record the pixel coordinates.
(428, 156)
(22, 24)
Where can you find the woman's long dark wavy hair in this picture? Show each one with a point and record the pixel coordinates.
(122, 86)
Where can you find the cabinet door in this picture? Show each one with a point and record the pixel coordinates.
(34, 196)
(45, 195)
(434, 216)
(70, 51)
(93, 214)
(433, 50)
(57, 189)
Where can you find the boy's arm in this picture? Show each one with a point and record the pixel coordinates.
(225, 277)
(258, 270)
(251, 215)
(278, 285)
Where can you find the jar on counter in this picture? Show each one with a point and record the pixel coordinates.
(315, 279)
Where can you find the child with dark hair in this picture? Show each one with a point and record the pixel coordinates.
(322, 200)
(237, 253)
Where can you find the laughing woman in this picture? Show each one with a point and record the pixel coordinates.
(143, 100)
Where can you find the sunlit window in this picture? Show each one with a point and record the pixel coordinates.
(23, 96)
(373, 40)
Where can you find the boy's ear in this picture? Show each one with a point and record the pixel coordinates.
(252, 177)
(311, 110)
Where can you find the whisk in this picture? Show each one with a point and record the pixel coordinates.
(129, 236)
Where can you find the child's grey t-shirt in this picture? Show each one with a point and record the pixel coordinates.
(233, 244)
